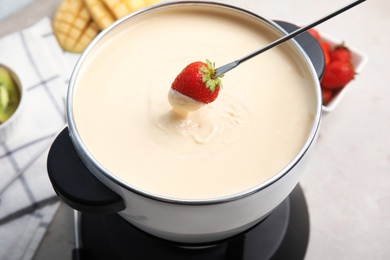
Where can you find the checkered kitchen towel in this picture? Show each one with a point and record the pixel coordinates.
(27, 199)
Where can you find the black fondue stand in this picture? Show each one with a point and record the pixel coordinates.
(284, 234)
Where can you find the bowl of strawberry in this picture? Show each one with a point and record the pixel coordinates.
(343, 64)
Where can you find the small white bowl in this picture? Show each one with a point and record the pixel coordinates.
(9, 126)
(359, 61)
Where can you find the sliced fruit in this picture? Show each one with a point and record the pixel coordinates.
(73, 26)
(100, 13)
(9, 95)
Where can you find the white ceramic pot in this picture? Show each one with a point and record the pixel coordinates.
(199, 221)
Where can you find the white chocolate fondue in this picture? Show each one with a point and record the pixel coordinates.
(254, 129)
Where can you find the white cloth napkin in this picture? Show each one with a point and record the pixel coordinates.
(28, 201)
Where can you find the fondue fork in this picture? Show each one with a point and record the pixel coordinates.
(225, 68)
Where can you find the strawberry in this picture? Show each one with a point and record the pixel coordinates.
(327, 58)
(327, 95)
(197, 82)
(325, 46)
(341, 53)
(313, 32)
(337, 74)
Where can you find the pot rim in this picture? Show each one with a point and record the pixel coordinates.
(81, 148)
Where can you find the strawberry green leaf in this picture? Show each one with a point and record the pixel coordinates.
(208, 76)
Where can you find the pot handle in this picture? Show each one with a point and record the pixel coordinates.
(310, 45)
(75, 184)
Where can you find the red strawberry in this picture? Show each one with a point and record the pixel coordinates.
(341, 53)
(313, 32)
(197, 82)
(327, 95)
(327, 58)
(337, 74)
(325, 46)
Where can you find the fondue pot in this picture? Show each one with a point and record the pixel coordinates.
(85, 185)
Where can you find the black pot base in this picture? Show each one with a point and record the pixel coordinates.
(284, 234)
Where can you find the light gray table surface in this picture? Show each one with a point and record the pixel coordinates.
(347, 181)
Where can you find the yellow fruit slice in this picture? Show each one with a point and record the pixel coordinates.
(117, 7)
(73, 26)
(100, 13)
(151, 2)
(105, 12)
(138, 4)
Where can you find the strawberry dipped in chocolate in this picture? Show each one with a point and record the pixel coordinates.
(194, 87)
